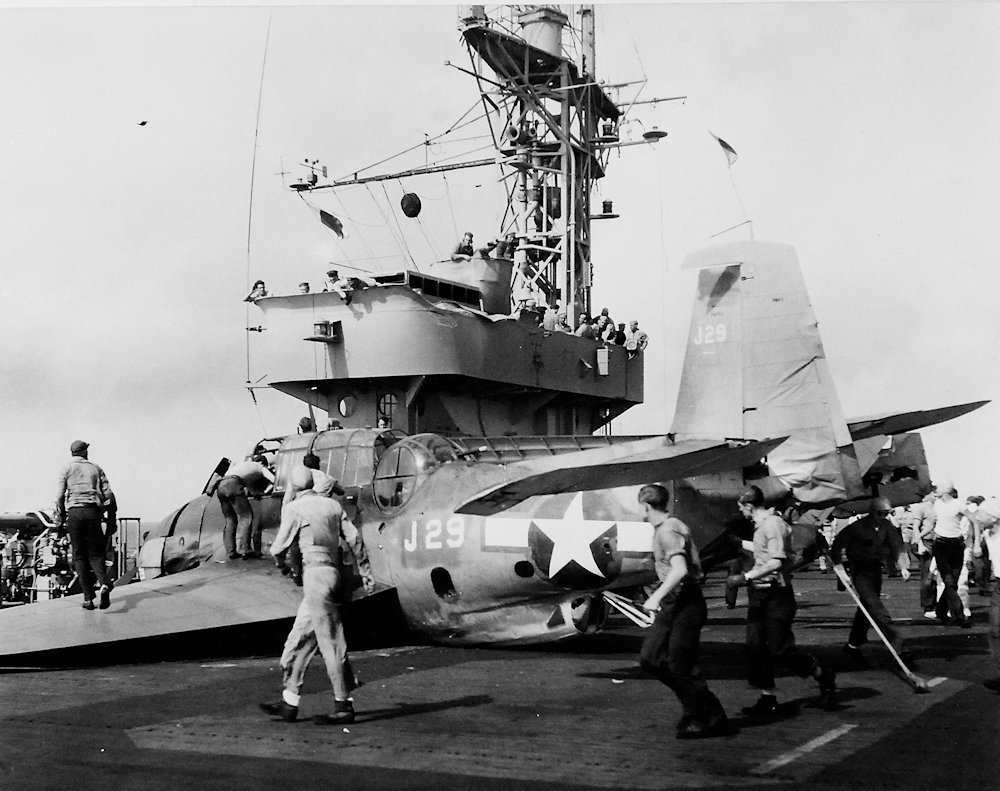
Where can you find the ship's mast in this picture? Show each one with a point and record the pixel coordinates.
(416, 347)
(552, 111)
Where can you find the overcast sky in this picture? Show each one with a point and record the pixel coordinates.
(867, 136)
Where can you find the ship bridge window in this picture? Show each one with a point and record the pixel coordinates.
(387, 406)
(405, 465)
(436, 288)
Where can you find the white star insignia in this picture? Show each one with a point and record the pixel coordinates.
(571, 536)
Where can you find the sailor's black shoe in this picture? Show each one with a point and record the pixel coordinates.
(343, 714)
(251, 555)
(854, 655)
(827, 687)
(286, 711)
(105, 597)
(766, 706)
(89, 605)
(721, 727)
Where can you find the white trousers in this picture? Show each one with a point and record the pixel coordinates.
(317, 627)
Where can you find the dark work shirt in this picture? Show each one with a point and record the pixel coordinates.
(868, 541)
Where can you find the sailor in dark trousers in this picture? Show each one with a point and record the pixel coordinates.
(670, 649)
(737, 530)
(771, 610)
(82, 497)
(867, 542)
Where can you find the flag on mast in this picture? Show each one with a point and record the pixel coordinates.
(729, 151)
(331, 222)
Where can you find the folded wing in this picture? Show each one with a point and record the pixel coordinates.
(629, 464)
(862, 428)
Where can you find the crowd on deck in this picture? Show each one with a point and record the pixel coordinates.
(600, 328)
(955, 544)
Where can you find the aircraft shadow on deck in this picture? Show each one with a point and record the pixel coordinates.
(412, 709)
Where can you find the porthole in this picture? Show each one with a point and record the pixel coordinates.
(347, 405)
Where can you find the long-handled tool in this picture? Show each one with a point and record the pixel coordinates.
(919, 684)
(629, 609)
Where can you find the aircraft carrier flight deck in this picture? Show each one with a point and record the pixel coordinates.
(572, 716)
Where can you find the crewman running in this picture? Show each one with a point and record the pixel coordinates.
(771, 609)
(866, 543)
(670, 649)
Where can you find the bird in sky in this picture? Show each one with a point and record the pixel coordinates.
(141, 123)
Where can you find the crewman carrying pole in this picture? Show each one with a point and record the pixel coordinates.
(866, 543)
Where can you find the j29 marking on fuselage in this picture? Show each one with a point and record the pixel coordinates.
(435, 534)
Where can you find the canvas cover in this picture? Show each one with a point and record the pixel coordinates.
(755, 368)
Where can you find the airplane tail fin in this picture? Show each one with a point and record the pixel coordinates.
(755, 367)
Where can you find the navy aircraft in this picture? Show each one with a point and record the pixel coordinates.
(512, 540)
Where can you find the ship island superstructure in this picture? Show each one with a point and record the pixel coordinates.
(454, 347)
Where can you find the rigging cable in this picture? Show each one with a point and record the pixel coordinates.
(423, 143)
(253, 169)
(422, 229)
(451, 206)
(395, 218)
(392, 232)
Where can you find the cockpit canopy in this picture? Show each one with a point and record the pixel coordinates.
(349, 455)
(405, 465)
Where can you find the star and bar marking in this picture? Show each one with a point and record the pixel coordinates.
(571, 535)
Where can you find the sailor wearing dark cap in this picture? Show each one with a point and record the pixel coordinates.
(771, 609)
(82, 496)
(867, 542)
(340, 286)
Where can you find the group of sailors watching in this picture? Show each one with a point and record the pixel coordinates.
(342, 286)
(598, 328)
(502, 247)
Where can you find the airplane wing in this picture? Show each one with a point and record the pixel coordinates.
(210, 610)
(862, 428)
(629, 464)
